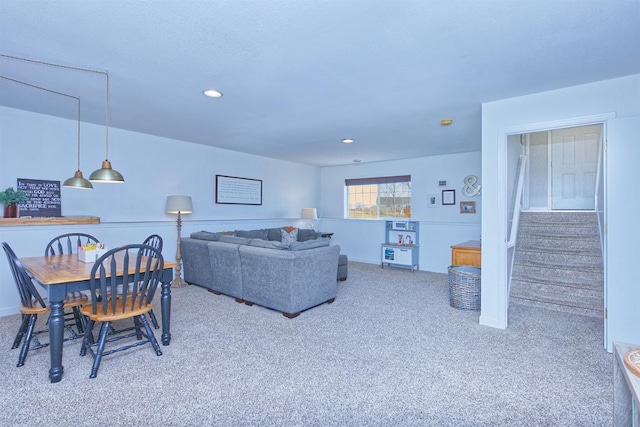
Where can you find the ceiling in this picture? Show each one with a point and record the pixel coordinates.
(299, 76)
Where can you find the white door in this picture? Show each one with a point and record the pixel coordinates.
(574, 161)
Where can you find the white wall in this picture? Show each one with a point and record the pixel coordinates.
(440, 227)
(538, 177)
(571, 106)
(43, 147)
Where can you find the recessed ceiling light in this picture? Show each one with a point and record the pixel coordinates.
(356, 160)
(347, 140)
(446, 122)
(211, 93)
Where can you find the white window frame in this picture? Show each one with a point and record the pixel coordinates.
(367, 203)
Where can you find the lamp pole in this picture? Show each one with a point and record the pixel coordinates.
(179, 205)
(178, 281)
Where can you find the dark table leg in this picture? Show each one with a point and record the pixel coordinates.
(165, 302)
(56, 335)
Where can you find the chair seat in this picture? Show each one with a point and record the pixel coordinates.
(120, 312)
(73, 300)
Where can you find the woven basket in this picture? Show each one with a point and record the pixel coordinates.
(464, 287)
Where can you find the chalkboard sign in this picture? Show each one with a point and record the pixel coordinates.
(44, 198)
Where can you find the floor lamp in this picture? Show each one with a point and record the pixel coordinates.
(179, 205)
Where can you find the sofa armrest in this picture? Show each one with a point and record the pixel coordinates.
(196, 266)
(289, 281)
(226, 276)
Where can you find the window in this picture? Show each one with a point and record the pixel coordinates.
(381, 197)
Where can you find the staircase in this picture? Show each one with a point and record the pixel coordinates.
(558, 262)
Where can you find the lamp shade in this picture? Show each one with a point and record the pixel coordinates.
(180, 204)
(78, 181)
(106, 174)
(309, 213)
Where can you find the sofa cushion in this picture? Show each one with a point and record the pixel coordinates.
(305, 234)
(268, 244)
(234, 239)
(274, 234)
(206, 235)
(288, 237)
(309, 244)
(253, 234)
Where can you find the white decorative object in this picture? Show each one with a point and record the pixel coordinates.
(470, 188)
(87, 256)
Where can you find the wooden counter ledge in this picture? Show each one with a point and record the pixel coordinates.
(64, 220)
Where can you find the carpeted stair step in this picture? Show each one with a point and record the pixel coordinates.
(587, 281)
(559, 217)
(559, 258)
(557, 229)
(561, 274)
(556, 292)
(544, 242)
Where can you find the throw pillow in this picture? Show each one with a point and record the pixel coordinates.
(309, 244)
(288, 237)
(305, 234)
(274, 234)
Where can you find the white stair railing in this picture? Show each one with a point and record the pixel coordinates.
(515, 219)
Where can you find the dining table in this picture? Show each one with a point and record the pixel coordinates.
(63, 274)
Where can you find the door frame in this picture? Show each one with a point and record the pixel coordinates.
(502, 285)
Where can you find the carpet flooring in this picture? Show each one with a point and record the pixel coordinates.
(390, 351)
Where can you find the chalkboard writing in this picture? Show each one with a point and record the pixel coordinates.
(44, 198)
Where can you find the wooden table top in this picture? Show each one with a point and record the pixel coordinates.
(55, 269)
(470, 244)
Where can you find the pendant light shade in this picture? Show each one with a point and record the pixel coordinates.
(106, 174)
(78, 181)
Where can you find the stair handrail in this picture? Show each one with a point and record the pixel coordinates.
(515, 219)
(598, 201)
(517, 202)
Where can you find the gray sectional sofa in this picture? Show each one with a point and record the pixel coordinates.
(256, 267)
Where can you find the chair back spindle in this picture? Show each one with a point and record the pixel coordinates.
(155, 241)
(68, 243)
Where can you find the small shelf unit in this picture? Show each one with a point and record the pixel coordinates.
(401, 246)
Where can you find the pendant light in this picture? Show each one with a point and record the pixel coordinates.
(77, 181)
(106, 174)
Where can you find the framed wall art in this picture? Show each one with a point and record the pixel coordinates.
(468, 207)
(233, 190)
(448, 197)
